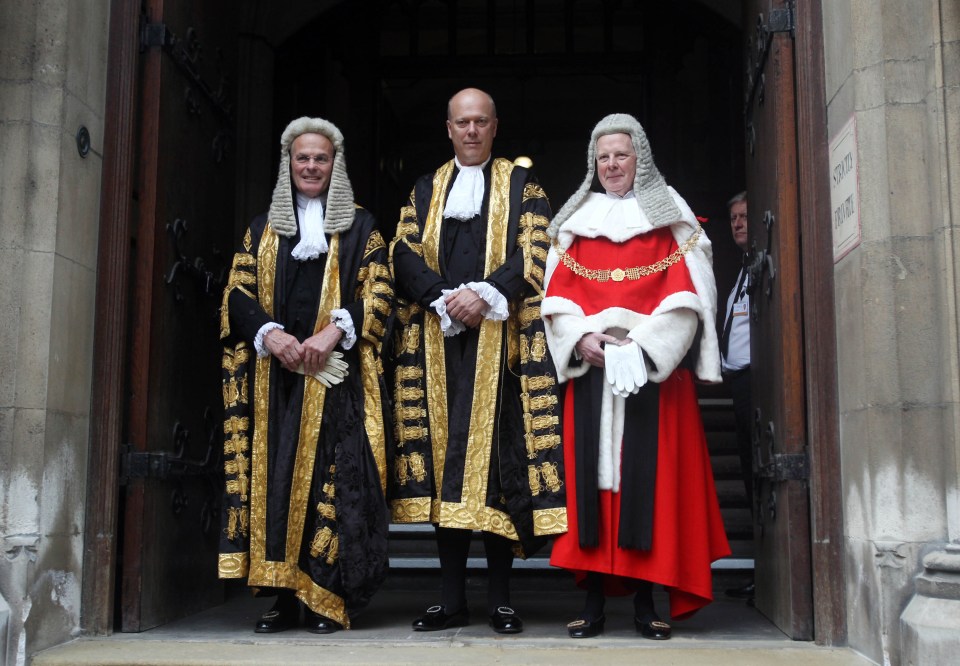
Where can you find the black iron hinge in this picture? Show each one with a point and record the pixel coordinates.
(782, 20)
(786, 467)
(143, 465)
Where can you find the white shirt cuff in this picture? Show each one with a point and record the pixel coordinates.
(499, 308)
(448, 325)
(258, 338)
(342, 320)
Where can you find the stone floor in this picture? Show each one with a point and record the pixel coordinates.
(726, 632)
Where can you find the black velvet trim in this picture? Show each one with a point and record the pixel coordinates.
(587, 395)
(638, 476)
(638, 467)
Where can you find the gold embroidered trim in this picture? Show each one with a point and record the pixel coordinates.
(476, 467)
(412, 510)
(236, 358)
(536, 383)
(327, 510)
(535, 349)
(413, 465)
(632, 273)
(233, 565)
(266, 276)
(528, 315)
(238, 522)
(485, 518)
(436, 380)
(412, 343)
(373, 410)
(325, 544)
(549, 521)
(311, 413)
(408, 413)
(538, 403)
(409, 373)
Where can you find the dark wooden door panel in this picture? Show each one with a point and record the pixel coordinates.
(183, 241)
(781, 510)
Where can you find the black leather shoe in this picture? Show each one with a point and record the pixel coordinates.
(580, 628)
(656, 630)
(436, 618)
(745, 592)
(284, 615)
(318, 624)
(506, 621)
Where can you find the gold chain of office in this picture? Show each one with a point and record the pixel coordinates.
(632, 273)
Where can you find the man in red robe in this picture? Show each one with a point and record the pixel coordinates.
(629, 312)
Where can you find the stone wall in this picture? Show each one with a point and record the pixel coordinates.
(52, 78)
(894, 66)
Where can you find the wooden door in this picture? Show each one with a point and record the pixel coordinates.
(781, 509)
(184, 222)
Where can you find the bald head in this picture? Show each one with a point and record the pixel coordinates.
(471, 125)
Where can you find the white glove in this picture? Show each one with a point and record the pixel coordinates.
(634, 364)
(333, 372)
(613, 363)
(624, 368)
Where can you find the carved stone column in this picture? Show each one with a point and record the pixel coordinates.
(930, 625)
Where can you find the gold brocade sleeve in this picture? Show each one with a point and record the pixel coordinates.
(539, 390)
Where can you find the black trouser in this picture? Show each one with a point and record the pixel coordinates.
(453, 546)
(739, 383)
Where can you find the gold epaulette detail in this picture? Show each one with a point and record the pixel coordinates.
(407, 228)
(533, 191)
(374, 242)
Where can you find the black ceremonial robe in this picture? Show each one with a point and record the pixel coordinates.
(476, 414)
(304, 506)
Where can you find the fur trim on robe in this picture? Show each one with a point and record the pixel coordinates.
(664, 335)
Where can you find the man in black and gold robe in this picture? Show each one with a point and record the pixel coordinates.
(305, 515)
(476, 415)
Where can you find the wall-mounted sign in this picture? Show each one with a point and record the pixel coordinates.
(844, 190)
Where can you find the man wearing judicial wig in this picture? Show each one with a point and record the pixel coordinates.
(629, 310)
(309, 293)
(478, 444)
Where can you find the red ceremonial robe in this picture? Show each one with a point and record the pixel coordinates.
(687, 529)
